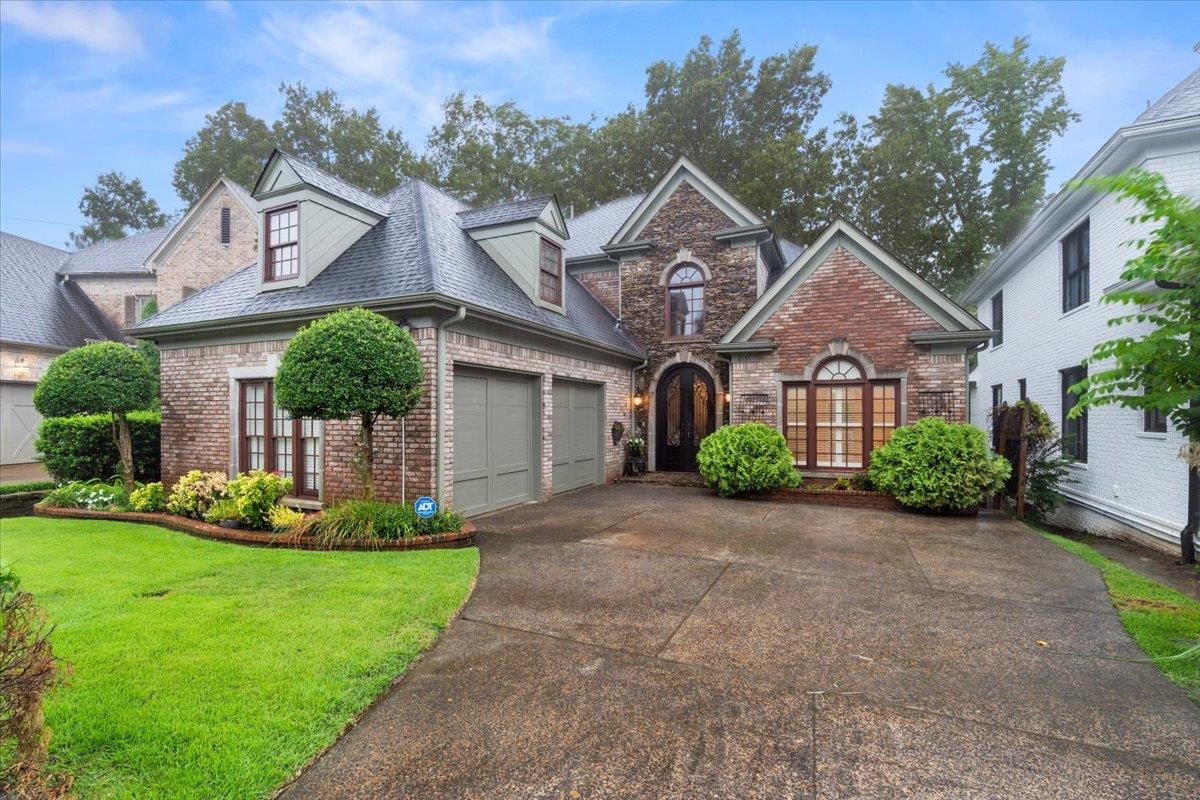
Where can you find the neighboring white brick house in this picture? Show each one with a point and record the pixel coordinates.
(1133, 485)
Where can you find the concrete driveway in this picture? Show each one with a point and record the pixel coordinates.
(643, 641)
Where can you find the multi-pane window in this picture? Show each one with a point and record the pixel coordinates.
(550, 273)
(142, 305)
(795, 421)
(283, 243)
(1022, 391)
(226, 225)
(998, 318)
(685, 301)
(1074, 429)
(1155, 421)
(884, 410)
(1076, 259)
(271, 440)
(997, 395)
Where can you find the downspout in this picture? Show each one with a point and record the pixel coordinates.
(440, 414)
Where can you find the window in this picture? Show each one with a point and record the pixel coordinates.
(271, 440)
(283, 244)
(1155, 421)
(835, 421)
(998, 318)
(226, 226)
(1076, 259)
(1021, 394)
(1074, 428)
(135, 307)
(550, 273)
(997, 395)
(685, 301)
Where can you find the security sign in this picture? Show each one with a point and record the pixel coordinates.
(425, 507)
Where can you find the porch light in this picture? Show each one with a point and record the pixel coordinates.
(728, 397)
(637, 400)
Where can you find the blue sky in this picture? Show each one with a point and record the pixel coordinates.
(85, 88)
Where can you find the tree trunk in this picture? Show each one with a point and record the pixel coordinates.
(1187, 537)
(125, 450)
(368, 456)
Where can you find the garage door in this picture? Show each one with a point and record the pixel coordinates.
(577, 451)
(493, 441)
(18, 423)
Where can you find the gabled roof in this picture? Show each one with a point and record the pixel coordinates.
(320, 179)
(683, 170)
(1180, 102)
(36, 306)
(504, 213)
(418, 251)
(188, 221)
(120, 256)
(841, 233)
(593, 229)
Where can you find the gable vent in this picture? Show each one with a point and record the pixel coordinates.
(226, 224)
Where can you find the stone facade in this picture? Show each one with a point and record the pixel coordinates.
(201, 259)
(109, 293)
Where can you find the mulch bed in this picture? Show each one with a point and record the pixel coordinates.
(849, 498)
(205, 530)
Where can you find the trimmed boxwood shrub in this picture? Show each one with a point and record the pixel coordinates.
(938, 466)
(81, 448)
(747, 458)
(151, 497)
(255, 493)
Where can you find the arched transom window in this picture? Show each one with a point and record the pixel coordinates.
(839, 369)
(685, 301)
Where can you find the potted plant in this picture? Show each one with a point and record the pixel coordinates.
(618, 430)
(635, 453)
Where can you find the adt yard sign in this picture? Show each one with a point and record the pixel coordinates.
(425, 507)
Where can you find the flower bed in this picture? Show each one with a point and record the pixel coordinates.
(846, 498)
(461, 538)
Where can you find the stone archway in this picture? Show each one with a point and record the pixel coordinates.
(683, 357)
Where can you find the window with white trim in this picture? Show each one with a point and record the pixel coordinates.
(282, 244)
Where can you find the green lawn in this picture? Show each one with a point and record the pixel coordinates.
(1164, 622)
(205, 670)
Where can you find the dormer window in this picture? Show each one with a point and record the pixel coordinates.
(550, 273)
(283, 244)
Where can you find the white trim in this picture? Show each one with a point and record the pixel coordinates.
(188, 221)
(684, 256)
(1157, 527)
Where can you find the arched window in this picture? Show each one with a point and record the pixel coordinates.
(685, 301)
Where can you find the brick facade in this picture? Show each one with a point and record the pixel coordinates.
(605, 286)
(200, 259)
(108, 292)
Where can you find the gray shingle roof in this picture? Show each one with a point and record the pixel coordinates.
(502, 213)
(419, 248)
(242, 193)
(121, 255)
(791, 251)
(1182, 101)
(36, 307)
(595, 228)
(315, 176)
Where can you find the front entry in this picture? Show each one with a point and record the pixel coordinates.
(686, 404)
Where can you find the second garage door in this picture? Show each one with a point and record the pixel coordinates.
(493, 440)
(577, 451)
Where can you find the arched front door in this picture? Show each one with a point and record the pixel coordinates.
(686, 414)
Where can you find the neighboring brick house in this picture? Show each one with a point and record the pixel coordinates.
(539, 332)
(1043, 294)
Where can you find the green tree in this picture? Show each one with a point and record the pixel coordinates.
(232, 142)
(99, 378)
(115, 207)
(351, 363)
(1158, 367)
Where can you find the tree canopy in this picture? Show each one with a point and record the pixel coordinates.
(115, 207)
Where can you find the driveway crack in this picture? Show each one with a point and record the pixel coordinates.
(691, 611)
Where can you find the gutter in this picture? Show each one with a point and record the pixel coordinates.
(760, 346)
(440, 413)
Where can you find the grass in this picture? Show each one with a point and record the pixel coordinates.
(1162, 621)
(203, 669)
(25, 486)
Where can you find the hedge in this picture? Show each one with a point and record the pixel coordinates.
(81, 448)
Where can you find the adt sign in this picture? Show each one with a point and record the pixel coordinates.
(425, 507)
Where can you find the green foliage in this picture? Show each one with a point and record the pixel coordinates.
(25, 486)
(255, 494)
(1046, 468)
(1160, 368)
(635, 446)
(97, 378)
(92, 495)
(232, 141)
(373, 519)
(115, 208)
(751, 457)
(938, 466)
(81, 448)
(151, 497)
(842, 484)
(224, 511)
(284, 519)
(861, 482)
(196, 492)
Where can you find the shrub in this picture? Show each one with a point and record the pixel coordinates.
(747, 458)
(842, 484)
(862, 482)
(151, 497)
(256, 493)
(374, 519)
(93, 495)
(223, 511)
(194, 494)
(938, 466)
(81, 448)
(1046, 468)
(284, 519)
(27, 486)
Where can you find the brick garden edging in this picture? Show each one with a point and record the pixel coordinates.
(20, 504)
(205, 530)
(849, 498)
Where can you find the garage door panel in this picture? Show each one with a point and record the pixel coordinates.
(470, 427)
(576, 435)
(19, 422)
(493, 441)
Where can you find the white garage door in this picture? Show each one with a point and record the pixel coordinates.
(493, 440)
(18, 423)
(577, 450)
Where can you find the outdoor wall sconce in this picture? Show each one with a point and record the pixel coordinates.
(728, 397)
(637, 401)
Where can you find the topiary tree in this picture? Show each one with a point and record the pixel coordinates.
(352, 363)
(751, 457)
(100, 378)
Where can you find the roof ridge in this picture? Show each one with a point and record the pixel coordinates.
(529, 199)
(423, 232)
(327, 173)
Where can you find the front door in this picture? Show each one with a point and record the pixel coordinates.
(685, 415)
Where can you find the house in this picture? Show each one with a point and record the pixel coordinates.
(1042, 296)
(672, 312)
(54, 300)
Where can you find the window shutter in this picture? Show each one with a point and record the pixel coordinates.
(130, 309)
(226, 232)
(188, 291)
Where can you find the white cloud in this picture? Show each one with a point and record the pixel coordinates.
(28, 149)
(96, 26)
(506, 41)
